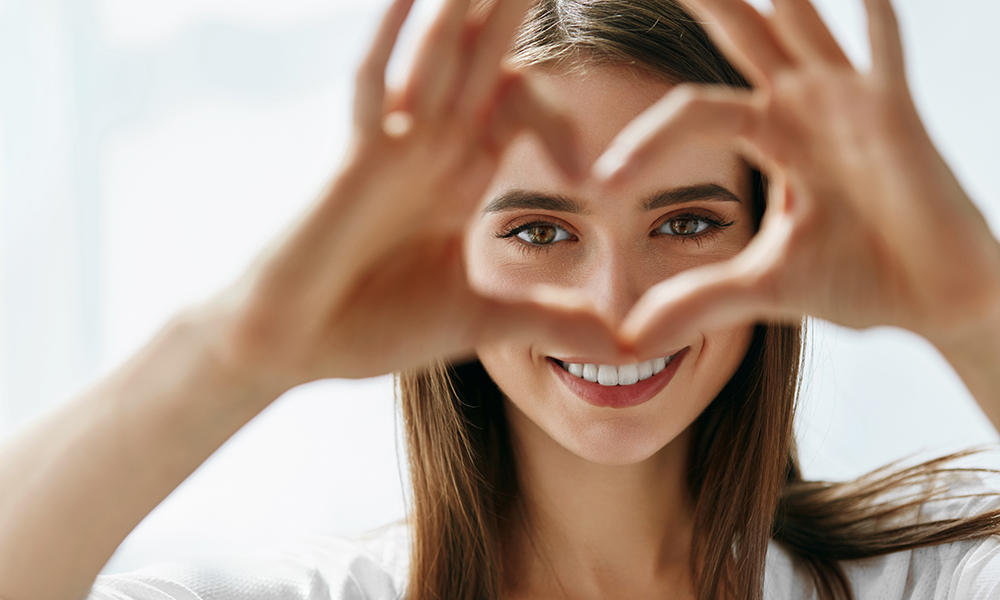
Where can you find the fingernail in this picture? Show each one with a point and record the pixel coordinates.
(397, 124)
(608, 168)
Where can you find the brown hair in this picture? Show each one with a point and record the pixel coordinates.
(462, 465)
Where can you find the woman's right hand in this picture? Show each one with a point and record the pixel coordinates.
(371, 280)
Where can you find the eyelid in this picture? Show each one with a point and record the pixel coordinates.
(692, 212)
(688, 210)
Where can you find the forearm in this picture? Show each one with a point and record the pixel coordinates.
(75, 484)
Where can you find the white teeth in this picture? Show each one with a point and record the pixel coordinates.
(628, 374)
(607, 375)
(658, 365)
(624, 375)
(645, 370)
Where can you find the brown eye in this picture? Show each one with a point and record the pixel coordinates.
(541, 234)
(684, 226)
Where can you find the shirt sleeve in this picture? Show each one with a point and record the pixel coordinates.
(963, 570)
(971, 568)
(336, 570)
(977, 575)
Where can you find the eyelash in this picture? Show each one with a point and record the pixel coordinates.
(715, 228)
(528, 247)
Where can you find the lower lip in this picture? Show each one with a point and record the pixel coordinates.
(618, 396)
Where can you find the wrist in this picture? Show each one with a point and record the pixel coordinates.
(210, 331)
(980, 343)
(975, 355)
(968, 327)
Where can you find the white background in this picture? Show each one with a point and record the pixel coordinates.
(148, 148)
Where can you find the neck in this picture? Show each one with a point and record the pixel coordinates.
(594, 530)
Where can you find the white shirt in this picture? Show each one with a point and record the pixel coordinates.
(375, 568)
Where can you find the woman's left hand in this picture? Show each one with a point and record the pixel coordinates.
(865, 225)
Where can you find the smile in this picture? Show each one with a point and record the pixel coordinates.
(610, 375)
(624, 386)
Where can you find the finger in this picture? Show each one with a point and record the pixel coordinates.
(520, 107)
(369, 97)
(562, 318)
(686, 113)
(670, 314)
(887, 45)
(746, 37)
(491, 44)
(804, 32)
(439, 60)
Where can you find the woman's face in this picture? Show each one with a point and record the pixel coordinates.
(535, 228)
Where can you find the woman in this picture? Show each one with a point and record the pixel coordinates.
(622, 313)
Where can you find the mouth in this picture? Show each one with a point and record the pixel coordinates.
(623, 386)
(610, 375)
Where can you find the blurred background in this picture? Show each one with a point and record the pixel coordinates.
(149, 148)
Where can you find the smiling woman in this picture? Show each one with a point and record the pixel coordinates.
(536, 503)
(587, 254)
(610, 249)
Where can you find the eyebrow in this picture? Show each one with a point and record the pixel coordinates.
(521, 200)
(524, 200)
(705, 191)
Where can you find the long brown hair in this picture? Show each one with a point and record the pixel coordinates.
(462, 464)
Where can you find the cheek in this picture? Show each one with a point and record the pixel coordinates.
(506, 363)
(485, 268)
(497, 269)
(514, 370)
(722, 352)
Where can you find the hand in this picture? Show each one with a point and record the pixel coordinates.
(865, 223)
(371, 279)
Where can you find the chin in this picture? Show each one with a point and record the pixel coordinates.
(619, 441)
(603, 436)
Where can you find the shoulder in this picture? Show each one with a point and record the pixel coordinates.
(372, 567)
(963, 570)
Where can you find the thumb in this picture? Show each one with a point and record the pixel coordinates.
(670, 313)
(558, 317)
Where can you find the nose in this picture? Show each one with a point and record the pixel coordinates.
(614, 283)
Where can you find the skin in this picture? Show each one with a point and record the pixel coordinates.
(864, 225)
(606, 486)
(612, 259)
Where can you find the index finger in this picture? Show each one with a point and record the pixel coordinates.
(803, 29)
(491, 45)
(745, 36)
(887, 46)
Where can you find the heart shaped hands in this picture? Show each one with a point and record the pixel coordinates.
(865, 223)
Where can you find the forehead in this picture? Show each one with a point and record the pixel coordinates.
(600, 102)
